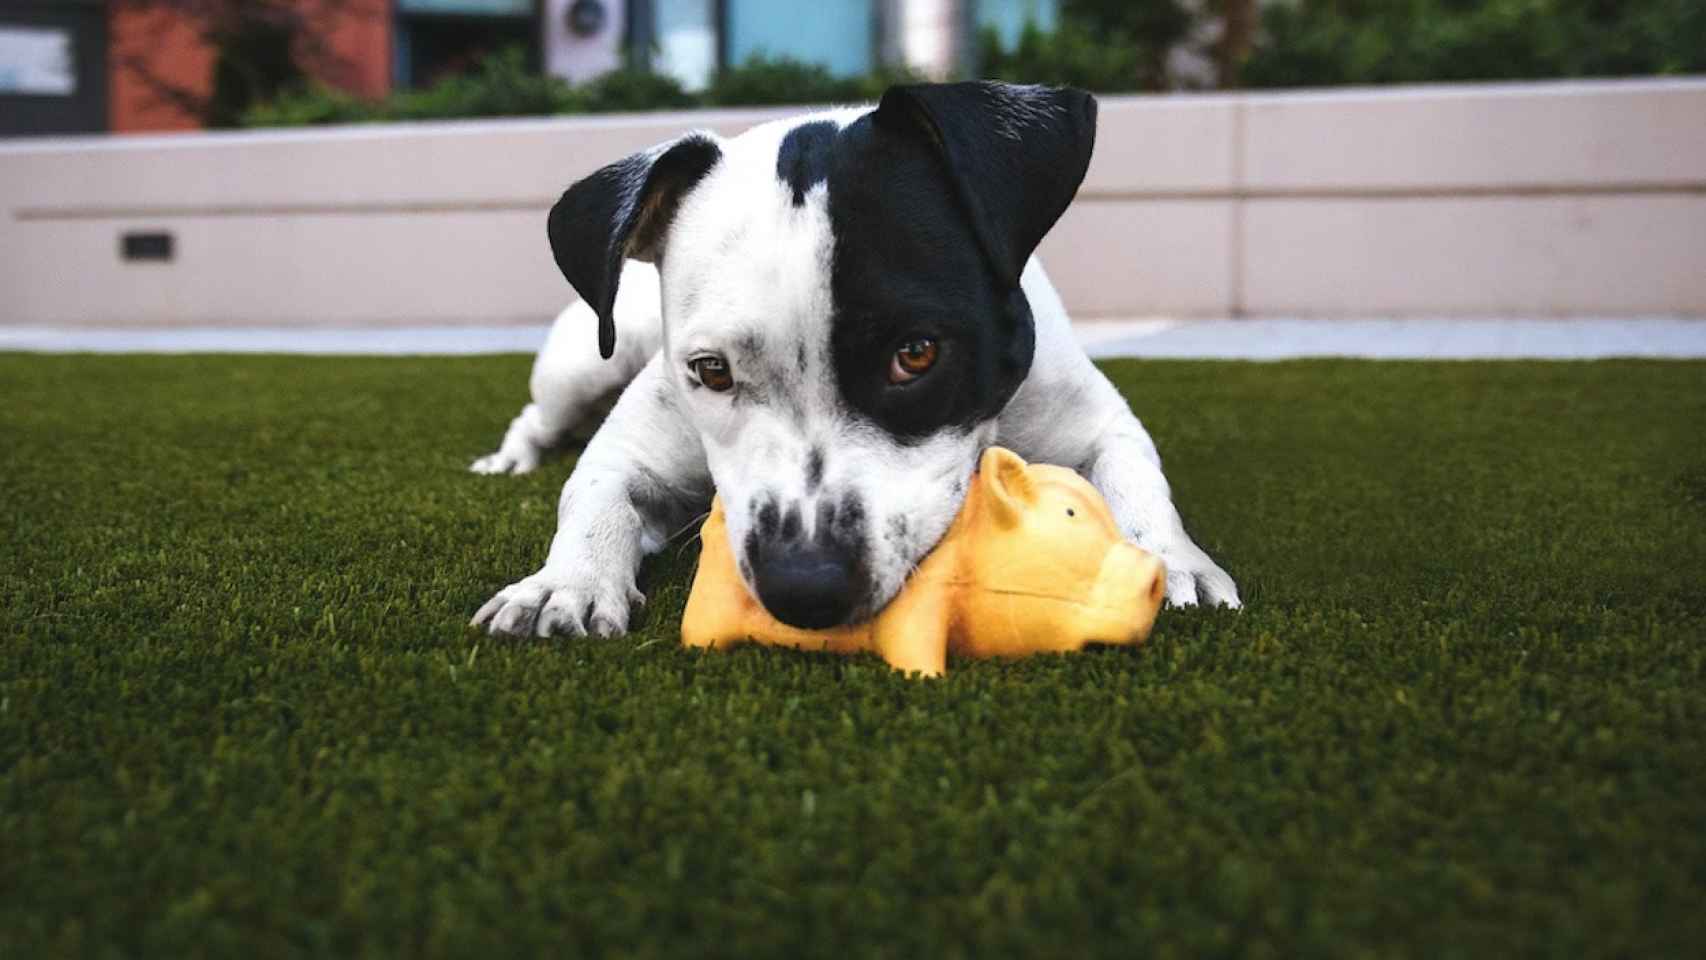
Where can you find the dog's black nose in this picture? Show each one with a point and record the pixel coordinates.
(810, 586)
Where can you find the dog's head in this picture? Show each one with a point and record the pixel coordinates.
(843, 319)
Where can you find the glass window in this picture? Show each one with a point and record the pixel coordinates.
(686, 37)
(837, 34)
(435, 39)
(37, 60)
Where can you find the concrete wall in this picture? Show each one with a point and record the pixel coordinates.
(1551, 200)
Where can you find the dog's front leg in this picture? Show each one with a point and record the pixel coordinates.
(572, 386)
(641, 479)
(1126, 468)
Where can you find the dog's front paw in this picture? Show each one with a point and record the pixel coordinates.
(1193, 578)
(519, 460)
(552, 603)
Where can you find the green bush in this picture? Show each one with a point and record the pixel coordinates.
(505, 86)
(1071, 55)
(1105, 45)
(316, 106)
(1114, 45)
(632, 89)
(763, 80)
(1326, 42)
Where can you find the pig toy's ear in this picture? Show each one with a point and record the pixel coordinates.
(1006, 484)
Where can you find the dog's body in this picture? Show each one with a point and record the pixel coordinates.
(844, 314)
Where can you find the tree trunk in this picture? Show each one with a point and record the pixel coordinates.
(1239, 19)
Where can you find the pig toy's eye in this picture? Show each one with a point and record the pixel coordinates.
(1070, 513)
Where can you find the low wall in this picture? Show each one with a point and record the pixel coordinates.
(1534, 200)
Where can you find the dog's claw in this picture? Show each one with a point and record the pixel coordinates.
(549, 604)
(1193, 578)
(504, 462)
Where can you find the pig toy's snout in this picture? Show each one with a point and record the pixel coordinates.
(1131, 586)
(1157, 574)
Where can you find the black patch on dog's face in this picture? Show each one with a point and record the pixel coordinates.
(908, 264)
(802, 162)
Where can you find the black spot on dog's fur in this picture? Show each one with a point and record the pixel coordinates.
(767, 518)
(814, 469)
(849, 523)
(898, 528)
(802, 162)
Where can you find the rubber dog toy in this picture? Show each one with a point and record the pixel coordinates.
(1033, 563)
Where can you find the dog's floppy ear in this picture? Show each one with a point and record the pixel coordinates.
(1015, 154)
(623, 212)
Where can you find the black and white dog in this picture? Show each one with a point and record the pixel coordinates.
(842, 314)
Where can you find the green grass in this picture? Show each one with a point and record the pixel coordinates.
(240, 713)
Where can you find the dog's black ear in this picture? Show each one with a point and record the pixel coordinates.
(1015, 154)
(623, 212)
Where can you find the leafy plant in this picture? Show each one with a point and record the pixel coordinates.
(765, 80)
(633, 89)
(504, 85)
(1325, 42)
(1071, 55)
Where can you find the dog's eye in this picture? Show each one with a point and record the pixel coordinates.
(713, 372)
(913, 360)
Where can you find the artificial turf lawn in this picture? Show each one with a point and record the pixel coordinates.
(240, 712)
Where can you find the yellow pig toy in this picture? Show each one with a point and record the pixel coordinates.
(1032, 564)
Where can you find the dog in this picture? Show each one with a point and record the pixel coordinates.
(825, 320)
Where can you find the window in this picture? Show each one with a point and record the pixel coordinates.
(686, 38)
(439, 38)
(838, 34)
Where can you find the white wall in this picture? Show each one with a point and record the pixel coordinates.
(1551, 200)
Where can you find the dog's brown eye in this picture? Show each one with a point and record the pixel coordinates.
(913, 360)
(713, 372)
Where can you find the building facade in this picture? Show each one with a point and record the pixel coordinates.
(81, 66)
(691, 39)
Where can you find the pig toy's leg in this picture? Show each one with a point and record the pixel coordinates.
(719, 610)
(912, 633)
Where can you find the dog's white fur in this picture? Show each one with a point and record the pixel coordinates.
(746, 270)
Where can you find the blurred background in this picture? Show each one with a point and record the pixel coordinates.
(388, 162)
(149, 65)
